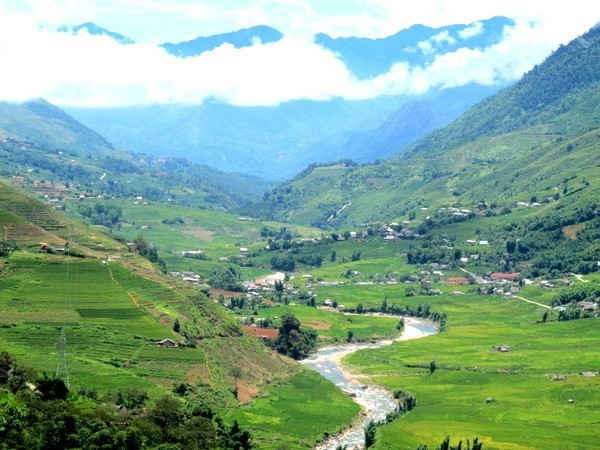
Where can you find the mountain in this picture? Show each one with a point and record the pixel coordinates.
(418, 45)
(531, 149)
(50, 127)
(239, 39)
(96, 30)
(277, 142)
(40, 142)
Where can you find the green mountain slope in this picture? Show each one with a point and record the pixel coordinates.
(114, 307)
(536, 142)
(41, 142)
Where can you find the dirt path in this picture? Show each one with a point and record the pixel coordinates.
(531, 301)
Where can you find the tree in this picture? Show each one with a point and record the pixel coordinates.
(199, 432)
(370, 431)
(236, 373)
(176, 326)
(166, 415)
(350, 336)
(227, 279)
(545, 316)
(432, 367)
(333, 256)
(131, 397)
(285, 263)
(292, 340)
(359, 308)
(52, 388)
(400, 325)
(384, 305)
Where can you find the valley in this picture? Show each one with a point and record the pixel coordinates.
(174, 300)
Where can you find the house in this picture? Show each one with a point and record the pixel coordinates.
(167, 343)
(503, 348)
(261, 333)
(453, 281)
(558, 377)
(588, 306)
(504, 276)
(588, 374)
(243, 250)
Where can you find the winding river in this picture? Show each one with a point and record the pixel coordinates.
(375, 401)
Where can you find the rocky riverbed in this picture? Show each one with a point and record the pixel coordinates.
(376, 402)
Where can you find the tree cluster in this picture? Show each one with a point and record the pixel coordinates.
(39, 412)
(293, 341)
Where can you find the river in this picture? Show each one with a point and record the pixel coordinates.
(375, 401)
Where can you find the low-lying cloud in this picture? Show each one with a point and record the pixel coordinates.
(85, 70)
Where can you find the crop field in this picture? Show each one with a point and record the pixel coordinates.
(525, 408)
(297, 412)
(332, 326)
(107, 333)
(33, 216)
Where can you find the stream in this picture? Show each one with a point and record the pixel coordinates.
(375, 401)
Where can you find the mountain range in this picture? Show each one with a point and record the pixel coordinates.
(527, 140)
(276, 142)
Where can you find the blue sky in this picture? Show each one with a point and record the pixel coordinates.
(85, 70)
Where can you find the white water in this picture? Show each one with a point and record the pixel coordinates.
(376, 402)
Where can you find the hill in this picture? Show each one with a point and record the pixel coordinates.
(534, 143)
(48, 152)
(57, 284)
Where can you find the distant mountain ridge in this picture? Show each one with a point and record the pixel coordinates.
(96, 30)
(418, 45)
(239, 39)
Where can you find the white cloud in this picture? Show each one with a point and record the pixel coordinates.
(89, 70)
(443, 38)
(474, 30)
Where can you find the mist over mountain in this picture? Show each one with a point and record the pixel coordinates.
(276, 142)
(418, 45)
(96, 30)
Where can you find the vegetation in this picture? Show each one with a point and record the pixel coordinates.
(293, 341)
(40, 413)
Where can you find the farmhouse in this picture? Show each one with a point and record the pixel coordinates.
(453, 281)
(167, 343)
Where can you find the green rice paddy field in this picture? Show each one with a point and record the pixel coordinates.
(524, 407)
